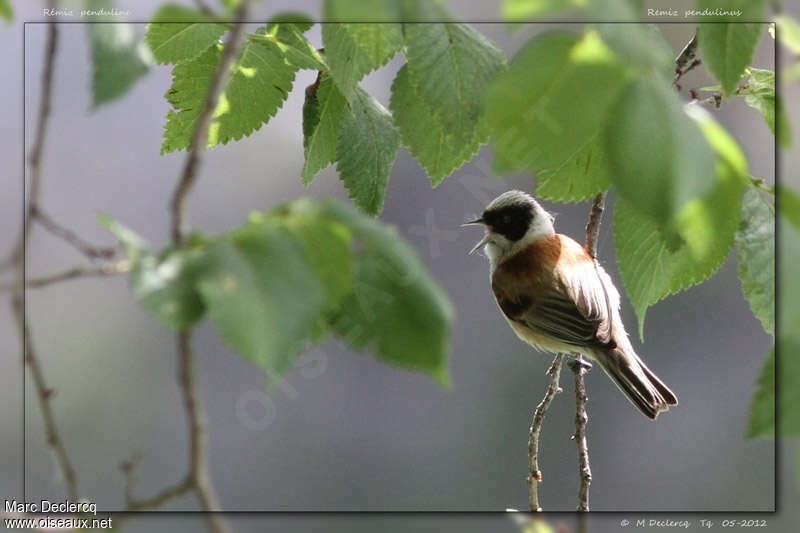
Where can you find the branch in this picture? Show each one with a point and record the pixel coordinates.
(593, 225)
(72, 273)
(535, 475)
(198, 477)
(16, 261)
(579, 367)
(200, 136)
(70, 237)
(45, 395)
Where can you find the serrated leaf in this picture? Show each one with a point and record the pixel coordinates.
(6, 11)
(727, 48)
(650, 269)
(540, 115)
(177, 33)
(290, 39)
(761, 422)
(261, 295)
(657, 156)
(260, 82)
(323, 112)
(582, 176)
(759, 93)
(450, 66)
(755, 249)
(366, 151)
(353, 50)
(425, 135)
(119, 59)
(396, 309)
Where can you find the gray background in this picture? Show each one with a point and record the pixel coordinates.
(344, 432)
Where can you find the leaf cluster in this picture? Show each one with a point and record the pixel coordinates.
(294, 276)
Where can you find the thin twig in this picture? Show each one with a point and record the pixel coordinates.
(535, 475)
(45, 395)
(200, 135)
(17, 261)
(78, 272)
(593, 225)
(70, 237)
(579, 367)
(199, 477)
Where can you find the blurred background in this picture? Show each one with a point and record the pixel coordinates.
(343, 432)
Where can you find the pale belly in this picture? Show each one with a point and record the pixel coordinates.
(543, 342)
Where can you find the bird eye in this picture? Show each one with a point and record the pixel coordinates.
(506, 219)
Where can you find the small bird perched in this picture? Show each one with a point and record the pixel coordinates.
(557, 298)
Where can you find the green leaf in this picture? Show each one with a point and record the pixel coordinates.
(366, 150)
(582, 176)
(788, 33)
(789, 201)
(640, 45)
(323, 112)
(539, 113)
(261, 295)
(290, 39)
(759, 93)
(651, 269)
(658, 158)
(119, 59)
(450, 66)
(425, 135)
(6, 11)
(727, 49)
(260, 82)
(396, 310)
(353, 50)
(165, 285)
(755, 248)
(762, 406)
(177, 33)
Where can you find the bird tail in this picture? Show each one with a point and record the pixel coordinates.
(640, 385)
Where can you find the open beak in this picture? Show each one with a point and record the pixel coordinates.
(480, 244)
(477, 222)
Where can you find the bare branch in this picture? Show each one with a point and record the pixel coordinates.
(535, 475)
(579, 367)
(199, 477)
(79, 272)
(45, 395)
(199, 474)
(17, 261)
(593, 225)
(199, 138)
(70, 237)
(156, 501)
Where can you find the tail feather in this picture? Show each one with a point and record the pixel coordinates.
(640, 385)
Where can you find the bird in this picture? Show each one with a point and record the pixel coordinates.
(558, 298)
